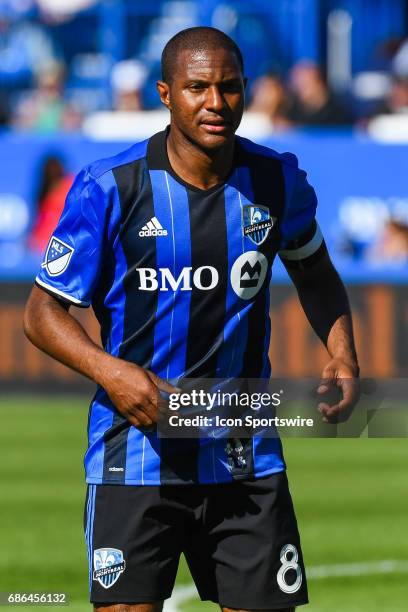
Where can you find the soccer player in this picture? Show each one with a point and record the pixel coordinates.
(172, 242)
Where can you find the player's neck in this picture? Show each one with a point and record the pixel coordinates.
(196, 166)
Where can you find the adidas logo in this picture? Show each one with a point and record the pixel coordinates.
(153, 228)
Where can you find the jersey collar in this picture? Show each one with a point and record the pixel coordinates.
(157, 159)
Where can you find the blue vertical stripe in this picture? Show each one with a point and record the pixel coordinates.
(100, 420)
(143, 458)
(88, 504)
(92, 526)
(89, 529)
(134, 467)
(267, 452)
(213, 465)
(238, 193)
(101, 410)
(173, 308)
(173, 251)
(246, 196)
(235, 327)
(115, 300)
(290, 223)
(88, 543)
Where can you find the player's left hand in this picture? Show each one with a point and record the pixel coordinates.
(341, 376)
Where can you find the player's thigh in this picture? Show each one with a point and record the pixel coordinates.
(134, 536)
(250, 557)
(137, 607)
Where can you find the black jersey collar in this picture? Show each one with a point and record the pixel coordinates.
(157, 159)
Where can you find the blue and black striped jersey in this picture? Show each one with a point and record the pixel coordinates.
(179, 278)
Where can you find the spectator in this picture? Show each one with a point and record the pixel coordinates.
(128, 78)
(313, 103)
(389, 116)
(270, 98)
(400, 61)
(44, 109)
(54, 186)
(397, 99)
(392, 245)
(127, 118)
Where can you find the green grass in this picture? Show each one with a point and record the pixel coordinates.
(351, 497)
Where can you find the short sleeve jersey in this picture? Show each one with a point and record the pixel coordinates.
(178, 278)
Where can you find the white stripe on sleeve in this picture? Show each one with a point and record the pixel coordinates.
(306, 250)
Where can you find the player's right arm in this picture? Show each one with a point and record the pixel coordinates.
(49, 325)
(69, 275)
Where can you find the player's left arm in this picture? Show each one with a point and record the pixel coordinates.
(323, 297)
(324, 300)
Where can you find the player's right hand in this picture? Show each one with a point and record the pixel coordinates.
(135, 392)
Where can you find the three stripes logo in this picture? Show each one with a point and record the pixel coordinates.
(153, 228)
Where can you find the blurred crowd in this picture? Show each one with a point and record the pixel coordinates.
(48, 85)
(302, 99)
(35, 96)
(37, 90)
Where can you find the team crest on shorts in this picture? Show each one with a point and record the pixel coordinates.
(256, 223)
(57, 256)
(108, 566)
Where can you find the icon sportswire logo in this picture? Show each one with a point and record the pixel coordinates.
(153, 228)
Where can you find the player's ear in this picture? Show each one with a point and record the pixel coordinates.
(164, 93)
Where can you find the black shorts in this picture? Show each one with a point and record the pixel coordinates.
(240, 540)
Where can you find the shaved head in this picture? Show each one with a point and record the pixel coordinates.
(196, 40)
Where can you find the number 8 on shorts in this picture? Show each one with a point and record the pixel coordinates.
(289, 564)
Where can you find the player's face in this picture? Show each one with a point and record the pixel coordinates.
(206, 96)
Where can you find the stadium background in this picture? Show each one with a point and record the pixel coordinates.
(329, 82)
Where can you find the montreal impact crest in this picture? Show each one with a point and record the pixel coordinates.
(108, 566)
(256, 222)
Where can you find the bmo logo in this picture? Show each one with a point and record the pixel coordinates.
(247, 276)
(204, 278)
